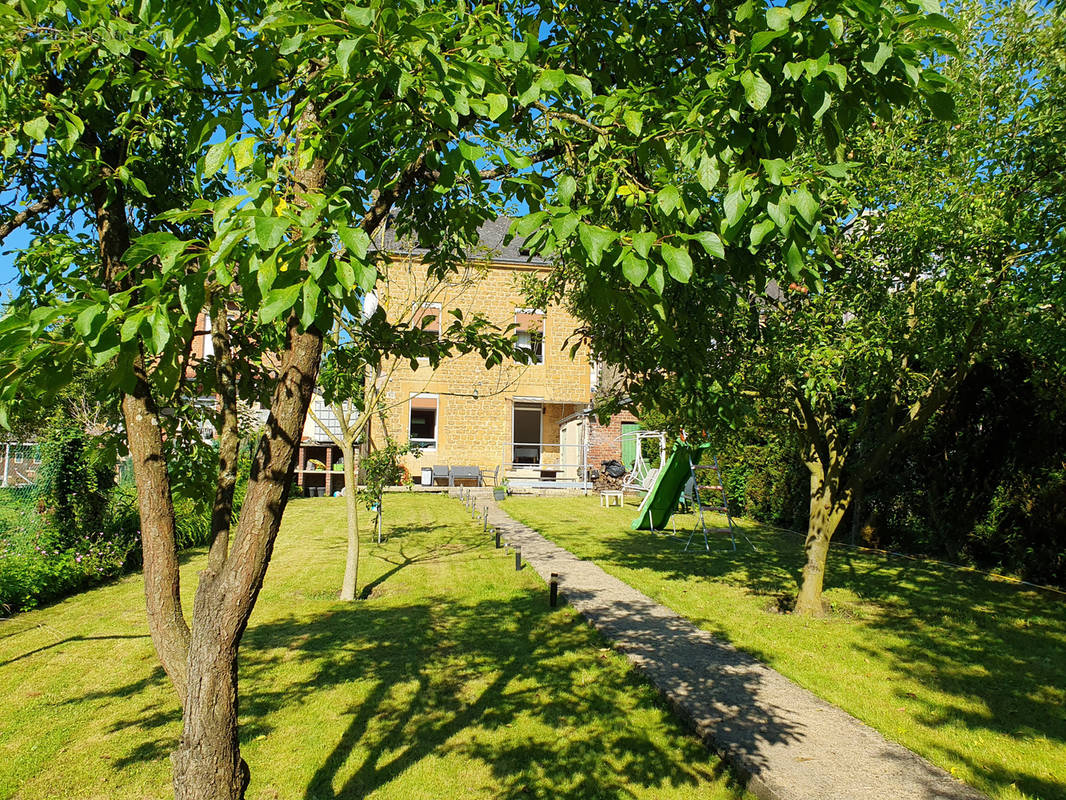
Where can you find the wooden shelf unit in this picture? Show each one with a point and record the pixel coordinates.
(308, 480)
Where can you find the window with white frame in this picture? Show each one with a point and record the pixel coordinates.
(427, 318)
(423, 421)
(529, 324)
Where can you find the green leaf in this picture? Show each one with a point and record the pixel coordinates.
(278, 301)
(36, 128)
(937, 22)
(756, 89)
(269, 231)
(344, 54)
(551, 79)
(803, 201)
(160, 330)
(657, 280)
(634, 268)
(311, 292)
(564, 225)
(595, 240)
(244, 153)
(131, 325)
(164, 246)
(355, 241)
(942, 105)
(216, 156)
(711, 242)
(778, 18)
(517, 160)
(564, 193)
(817, 98)
(775, 168)
(582, 84)
(760, 231)
(836, 26)
(291, 44)
(643, 241)
(734, 205)
(668, 198)
(678, 262)
(839, 72)
(707, 173)
(498, 105)
(530, 222)
(873, 62)
(83, 323)
(471, 152)
(763, 38)
(634, 121)
(365, 277)
(794, 259)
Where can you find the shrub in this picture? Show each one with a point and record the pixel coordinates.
(76, 476)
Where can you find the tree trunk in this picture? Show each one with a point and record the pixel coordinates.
(207, 763)
(351, 502)
(829, 501)
(162, 589)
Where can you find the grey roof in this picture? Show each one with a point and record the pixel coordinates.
(491, 247)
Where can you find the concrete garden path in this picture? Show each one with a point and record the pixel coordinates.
(785, 742)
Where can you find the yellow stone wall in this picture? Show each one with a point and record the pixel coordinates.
(475, 432)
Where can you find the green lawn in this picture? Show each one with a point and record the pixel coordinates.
(965, 669)
(452, 680)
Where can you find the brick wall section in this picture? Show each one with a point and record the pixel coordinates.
(604, 444)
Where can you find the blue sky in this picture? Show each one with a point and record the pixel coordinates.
(19, 238)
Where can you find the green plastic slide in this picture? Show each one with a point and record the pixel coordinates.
(661, 502)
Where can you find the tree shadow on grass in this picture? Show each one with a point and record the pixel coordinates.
(523, 691)
(70, 640)
(527, 694)
(988, 654)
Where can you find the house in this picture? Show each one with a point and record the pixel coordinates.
(529, 423)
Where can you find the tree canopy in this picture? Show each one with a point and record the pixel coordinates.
(175, 157)
(940, 248)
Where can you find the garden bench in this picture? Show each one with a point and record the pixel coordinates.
(465, 474)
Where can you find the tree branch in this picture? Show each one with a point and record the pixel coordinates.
(45, 204)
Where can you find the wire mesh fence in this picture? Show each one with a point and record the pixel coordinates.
(20, 463)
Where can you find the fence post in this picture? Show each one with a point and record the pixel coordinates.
(7, 461)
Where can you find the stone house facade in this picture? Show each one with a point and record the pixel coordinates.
(528, 423)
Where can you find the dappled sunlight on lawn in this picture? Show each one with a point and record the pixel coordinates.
(966, 669)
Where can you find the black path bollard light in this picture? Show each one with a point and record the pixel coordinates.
(553, 590)
(518, 557)
(485, 521)
(498, 544)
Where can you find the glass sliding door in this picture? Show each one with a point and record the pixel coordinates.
(526, 441)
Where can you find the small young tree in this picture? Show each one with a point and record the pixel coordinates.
(361, 356)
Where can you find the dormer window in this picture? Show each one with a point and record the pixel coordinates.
(530, 331)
